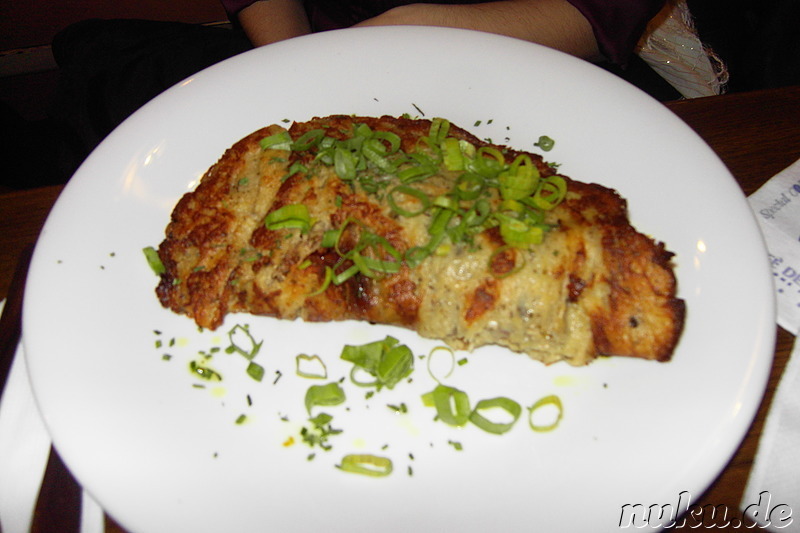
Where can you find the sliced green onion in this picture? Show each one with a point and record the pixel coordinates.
(326, 282)
(255, 371)
(330, 238)
(154, 260)
(367, 465)
(343, 276)
(416, 255)
(395, 364)
(389, 137)
(375, 151)
(367, 355)
(518, 233)
(439, 129)
(277, 141)
(370, 267)
(204, 372)
(325, 150)
(478, 213)
(453, 159)
(292, 216)
(368, 255)
(422, 167)
(362, 131)
(415, 173)
(553, 400)
(506, 404)
(452, 405)
(551, 192)
(521, 180)
(242, 342)
(308, 140)
(354, 377)
(467, 148)
(423, 199)
(469, 186)
(344, 163)
(318, 370)
(452, 362)
(446, 202)
(324, 395)
(387, 361)
(488, 166)
(545, 143)
(441, 219)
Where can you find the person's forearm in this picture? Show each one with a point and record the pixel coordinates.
(270, 21)
(553, 23)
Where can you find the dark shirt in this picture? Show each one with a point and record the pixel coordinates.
(617, 24)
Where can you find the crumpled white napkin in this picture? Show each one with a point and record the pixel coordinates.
(772, 494)
(24, 450)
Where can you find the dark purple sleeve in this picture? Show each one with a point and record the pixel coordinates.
(618, 24)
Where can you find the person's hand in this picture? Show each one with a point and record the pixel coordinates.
(554, 23)
(270, 21)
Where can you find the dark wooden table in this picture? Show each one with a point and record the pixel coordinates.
(756, 134)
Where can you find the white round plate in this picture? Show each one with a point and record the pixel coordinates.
(160, 453)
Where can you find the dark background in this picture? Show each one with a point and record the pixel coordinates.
(759, 41)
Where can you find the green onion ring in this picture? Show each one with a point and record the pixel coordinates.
(468, 186)
(452, 405)
(355, 370)
(392, 138)
(498, 428)
(452, 362)
(310, 358)
(489, 166)
(291, 216)
(545, 143)
(366, 464)
(248, 353)
(424, 200)
(542, 402)
(551, 192)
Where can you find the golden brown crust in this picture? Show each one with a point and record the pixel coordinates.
(595, 286)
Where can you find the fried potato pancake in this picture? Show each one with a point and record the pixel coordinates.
(417, 223)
